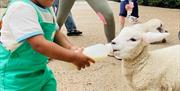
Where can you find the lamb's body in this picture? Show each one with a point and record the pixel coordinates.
(157, 70)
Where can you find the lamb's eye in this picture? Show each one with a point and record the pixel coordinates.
(132, 39)
(113, 43)
(160, 28)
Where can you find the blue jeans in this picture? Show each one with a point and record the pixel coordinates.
(123, 11)
(69, 23)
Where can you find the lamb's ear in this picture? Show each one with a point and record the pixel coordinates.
(151, 37)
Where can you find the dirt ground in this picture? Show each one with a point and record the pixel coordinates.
(105, 75)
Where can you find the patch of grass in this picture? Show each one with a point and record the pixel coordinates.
(162, 3)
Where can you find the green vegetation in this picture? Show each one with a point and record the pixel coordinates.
(161, 3)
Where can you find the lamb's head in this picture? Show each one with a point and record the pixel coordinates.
(131, 41)
(155, 25)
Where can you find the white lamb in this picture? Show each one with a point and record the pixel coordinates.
(145, 70)
(155, 25)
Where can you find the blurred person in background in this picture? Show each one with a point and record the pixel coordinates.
(101, 8)
(69, 23)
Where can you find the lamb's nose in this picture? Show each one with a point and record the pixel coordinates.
(113, 43)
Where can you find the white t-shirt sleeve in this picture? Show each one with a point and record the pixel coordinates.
(23, 23)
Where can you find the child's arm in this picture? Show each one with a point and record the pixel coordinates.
(52, 50)
(62, 40)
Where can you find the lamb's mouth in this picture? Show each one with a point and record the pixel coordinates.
(116, 54)
(115, 50)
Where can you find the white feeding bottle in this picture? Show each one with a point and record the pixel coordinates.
(97, 52)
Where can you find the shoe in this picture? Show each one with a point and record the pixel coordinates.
(74, 33)
(132, 19)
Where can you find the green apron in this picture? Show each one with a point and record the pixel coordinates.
(24, 69)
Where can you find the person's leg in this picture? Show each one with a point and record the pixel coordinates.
(23, 80)
(50, 85)
(70, 24)
(135, 11)
(133, 18)
(123, 13)
(122, 22)
(105, 13)
(55, 6)
(122, 16)
(63, 11)
(49, 81)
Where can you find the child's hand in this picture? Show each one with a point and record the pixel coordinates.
(75, 48)
(82, 61)
(129, 6)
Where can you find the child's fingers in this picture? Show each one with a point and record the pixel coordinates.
(79, 68)
(83, 66)
(88, 64)
(91, 60)
(79, 50)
